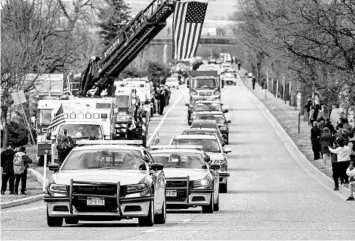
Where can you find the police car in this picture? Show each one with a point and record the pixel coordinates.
(213, 147)
(104, 181)
(190, 181)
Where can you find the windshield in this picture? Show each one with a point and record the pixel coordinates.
(208, 145)
(82, 131)
(103, 159)
(204, 83)
(219, 118)
(208, 107)
(180, 160)
(45, 117)
(122, 100)
(229, 75)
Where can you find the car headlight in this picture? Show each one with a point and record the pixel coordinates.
(137, 188)
(217, 92)
(223, 128)
(223, 163)
(57, 189)
(202, 184)
(194, 93)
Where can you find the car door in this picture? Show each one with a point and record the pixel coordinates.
(159, 183)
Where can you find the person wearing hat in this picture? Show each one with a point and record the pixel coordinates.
(21, 161)
(7, 157)
(326, 140)
(315, 139)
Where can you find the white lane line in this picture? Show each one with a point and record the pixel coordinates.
(150, 230)
(23, 210)
(163, 119)
(186, 220)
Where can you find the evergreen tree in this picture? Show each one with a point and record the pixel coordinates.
(112, 19)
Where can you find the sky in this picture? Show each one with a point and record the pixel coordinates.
(217, 9)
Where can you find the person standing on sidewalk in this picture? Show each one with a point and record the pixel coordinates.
(21, 161)
(343, 156)
(326, 140)
(253, 80)
(330, 126)
(351, 173)
(315, 139)
(7, 165)
(335, 167)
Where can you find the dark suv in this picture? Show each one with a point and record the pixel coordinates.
(203, 106)
(207, 121)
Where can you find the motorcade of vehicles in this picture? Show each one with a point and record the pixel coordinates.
(190, 180)
(213, 147)
(230, 79)
(106, 181)
(203, 105)
(172, 82)
(210, 124)
(205, 131)
(220, 119)
(226, 67)
(205, 85)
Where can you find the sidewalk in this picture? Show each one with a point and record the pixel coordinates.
(287, 116)
(33, 188)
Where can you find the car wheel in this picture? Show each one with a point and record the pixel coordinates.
(149, 220)
(161, 218)
(227, 141)
(54, 221)
(216, 205)
(71, 220)
(209, 208)
(223, 187)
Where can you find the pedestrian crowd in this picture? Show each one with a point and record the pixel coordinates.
(334, 145)
(14, 163)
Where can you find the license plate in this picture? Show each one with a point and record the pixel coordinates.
(171, 193)
(95, 201)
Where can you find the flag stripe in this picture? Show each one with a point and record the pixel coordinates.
(187, 27)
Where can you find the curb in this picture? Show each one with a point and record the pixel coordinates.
(297, 155)
(22, 201)
(26, 200)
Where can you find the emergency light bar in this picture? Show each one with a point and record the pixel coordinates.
(196, 147)
(109, 142)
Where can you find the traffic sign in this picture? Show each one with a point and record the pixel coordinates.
(19, 97)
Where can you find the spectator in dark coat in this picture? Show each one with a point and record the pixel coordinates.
(326, 140)
(253, 80)
(335, 166)
(315, 139)
(329, 125)
(7, 165)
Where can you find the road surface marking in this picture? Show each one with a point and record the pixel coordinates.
(163, 119)
(150, 230)
(23, 210)
(186, 220)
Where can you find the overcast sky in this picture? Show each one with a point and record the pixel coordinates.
(217, 9)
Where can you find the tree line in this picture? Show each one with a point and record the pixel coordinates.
(308, 41)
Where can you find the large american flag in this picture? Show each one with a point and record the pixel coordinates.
(187, 26)
(58, 118)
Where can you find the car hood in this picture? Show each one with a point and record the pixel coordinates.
(194, 174)
(112, 176)
(215, 156)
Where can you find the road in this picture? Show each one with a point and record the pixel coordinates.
(270, 196)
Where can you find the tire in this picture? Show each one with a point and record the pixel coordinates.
(223, 187)
(149, 220)
(161, 218)
(71, 220)
(227, 141)
(210, 207)
(54, 221)
(216, 205)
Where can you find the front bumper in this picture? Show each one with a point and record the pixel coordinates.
(114, 205)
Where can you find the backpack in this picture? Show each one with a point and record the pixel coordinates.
(19, 164)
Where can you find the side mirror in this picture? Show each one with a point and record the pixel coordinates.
(215, 167)
(225, 111)
(227, 150)
(229, 121)
(157, 166)
(53, 167)
(187, 104)
(204, 167)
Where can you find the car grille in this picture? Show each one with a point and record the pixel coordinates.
(80, 203)
(181, 196)
(176, 183)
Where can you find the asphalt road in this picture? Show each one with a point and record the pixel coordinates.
(270, 196)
